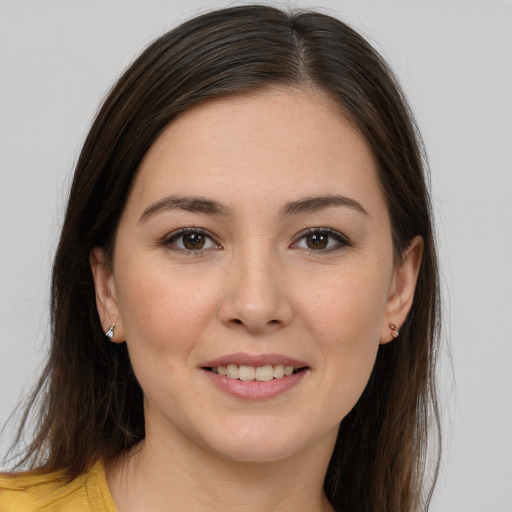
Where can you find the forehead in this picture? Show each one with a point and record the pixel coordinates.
(277, 143)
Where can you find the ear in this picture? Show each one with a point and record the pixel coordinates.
(401, 292)
(106, 300)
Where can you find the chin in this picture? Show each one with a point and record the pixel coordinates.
(267, 442)
(261, 452)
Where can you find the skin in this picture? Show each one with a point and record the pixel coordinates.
(259, 285)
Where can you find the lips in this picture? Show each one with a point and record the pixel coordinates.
(255, 376)
(254, 360)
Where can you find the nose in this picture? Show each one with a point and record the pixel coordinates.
(256, 294)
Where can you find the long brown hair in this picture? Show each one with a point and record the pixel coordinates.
(88, 403)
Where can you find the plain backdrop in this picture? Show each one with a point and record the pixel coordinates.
(454, 60)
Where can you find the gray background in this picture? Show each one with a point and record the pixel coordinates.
(454, 59)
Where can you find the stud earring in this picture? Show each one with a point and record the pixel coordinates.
(395, 330)
(111, 332)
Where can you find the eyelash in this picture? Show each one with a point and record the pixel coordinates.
(170, 241)
(341, 240)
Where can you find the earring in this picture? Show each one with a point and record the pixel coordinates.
(395, 330)
(111, 332)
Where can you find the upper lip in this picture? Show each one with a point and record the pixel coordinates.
(254, 360)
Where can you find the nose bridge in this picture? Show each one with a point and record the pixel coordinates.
(257, 294)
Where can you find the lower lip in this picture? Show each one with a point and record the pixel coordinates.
(253, 389)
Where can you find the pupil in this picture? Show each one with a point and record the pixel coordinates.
(193, 241)
(317, 241)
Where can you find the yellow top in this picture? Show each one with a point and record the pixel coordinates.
(51, 492)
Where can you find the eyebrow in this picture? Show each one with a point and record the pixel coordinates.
(314, 204)
(187, 204)
(210, 207)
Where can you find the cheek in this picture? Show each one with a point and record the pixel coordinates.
(345, 319)
(162, 313)
(348, 307)
(163, 321)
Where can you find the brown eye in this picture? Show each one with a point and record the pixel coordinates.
(321, 240)
(193, 241)
(190, 240)
(317, 241)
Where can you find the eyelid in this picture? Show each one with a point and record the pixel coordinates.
(174, 235)
(342, 240)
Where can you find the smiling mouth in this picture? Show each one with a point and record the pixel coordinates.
(255, 373)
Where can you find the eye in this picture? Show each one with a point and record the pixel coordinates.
(321, 239)
(190, 239)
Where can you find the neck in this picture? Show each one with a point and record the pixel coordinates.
(184, 476)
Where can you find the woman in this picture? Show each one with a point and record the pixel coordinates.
(245, 298)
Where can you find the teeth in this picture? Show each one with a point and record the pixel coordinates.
(279, 371)
(259, 373)
(232, 371)
(264, 373)
(246, 372)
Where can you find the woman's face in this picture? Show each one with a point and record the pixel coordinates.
(255, 239)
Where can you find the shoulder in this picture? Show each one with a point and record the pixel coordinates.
(54, 492)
